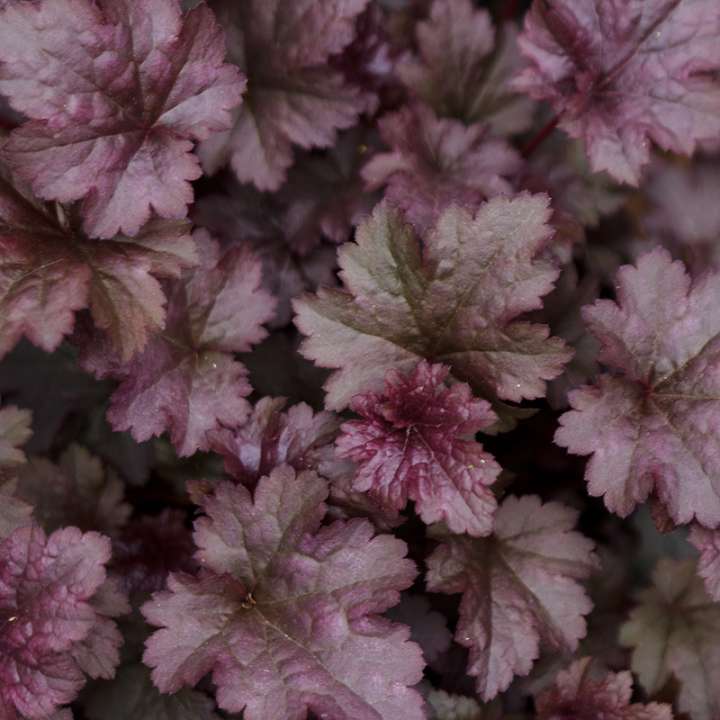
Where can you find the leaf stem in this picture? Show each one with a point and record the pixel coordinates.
(535, 142)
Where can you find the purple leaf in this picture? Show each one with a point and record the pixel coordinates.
(649, 425)
(520, 589)
(285, 614)
(622, 74)
(294, 96)
(416, 442)
(454, 300)
(116, 92)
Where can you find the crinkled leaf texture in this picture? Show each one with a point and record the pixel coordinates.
(186, 381)
(132, 696)
(453, 300)
(463, 67)
(285, 613)
(416, 442)
(274, 436)
(14, 432)
(581, 691)
(707, 543)
(294, 95)
(77, 491)
(520, 588)
(675, 631)
(54, 622)
(436, 163)
(620, 74)
(116, 91)
(49, 270)
(651, 425)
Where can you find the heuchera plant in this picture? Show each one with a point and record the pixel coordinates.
(359, 359)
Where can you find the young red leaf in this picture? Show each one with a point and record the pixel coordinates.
(49, 269)
(416, 442)
(75, 492)
(186, 381)
(463, 67)
(707, 543)
(649, 425)
(622, 74)
(453, 300)
(47, 589)
(520, 588)
(116, 92)
(581, 692)
(436, 163)
(294, 96)
(675, 631)
(285, 614)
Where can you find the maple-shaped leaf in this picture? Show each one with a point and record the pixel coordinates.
(622, 74)
(707, 543)
(47, 588)
(650, 424)
(436, 163)
(675, 631)
(77, 491)
(285, 614)
(131, 694)
(455, 299)
(520, 588)
(49, 269)
(416, 442)
(294, 96)
(186, 381)
(116, 92)
(582, 691)
(463, 67)
(14, 432)
(274, 436)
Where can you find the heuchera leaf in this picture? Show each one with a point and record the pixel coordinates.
(274, 436)
(285, 614)
(116, 91)
(427, 627)
(49, 269)
(131, 695)
(675, 631)
(14, 432)
(77, 491)
(416, 442)
(707, 543)
(47, 586)
(455, 300)
(463, 67)
(520, 588)
(294, 96)
(650, 425)
(436, 163)
(622, 74)
(186, 380)
(583, 692)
